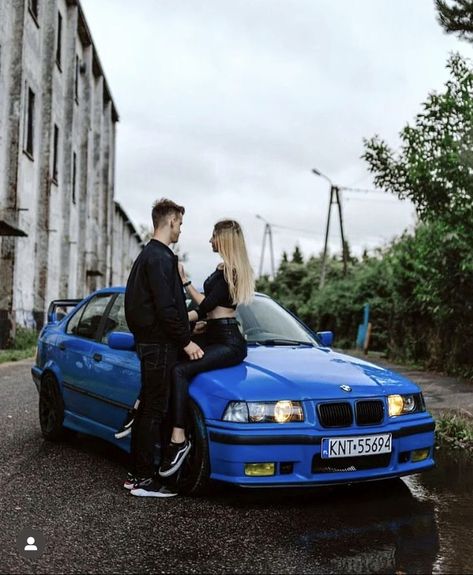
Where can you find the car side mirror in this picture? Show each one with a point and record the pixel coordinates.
(121, 340)
(326, 338)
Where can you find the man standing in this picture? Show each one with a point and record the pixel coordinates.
(156, 314)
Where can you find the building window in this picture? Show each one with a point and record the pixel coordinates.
(55, 153)
(59, 40)
(29, 122)
(74, 177)
(33, 8)
(76, 81)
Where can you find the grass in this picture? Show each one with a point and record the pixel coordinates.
(23, 347)
(455, 430)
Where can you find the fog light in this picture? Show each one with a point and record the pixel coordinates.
(419, 455)
(259, 469)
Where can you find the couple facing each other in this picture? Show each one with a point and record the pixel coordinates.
(170, 353)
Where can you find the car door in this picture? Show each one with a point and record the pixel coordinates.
(76, 361)
(116, 373)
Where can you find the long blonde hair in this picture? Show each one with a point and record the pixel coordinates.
(237, 270)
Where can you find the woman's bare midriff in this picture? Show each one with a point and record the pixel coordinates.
(221, 312)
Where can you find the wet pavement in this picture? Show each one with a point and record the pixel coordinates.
(71, 493)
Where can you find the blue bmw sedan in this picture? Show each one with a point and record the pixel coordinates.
(294, 413)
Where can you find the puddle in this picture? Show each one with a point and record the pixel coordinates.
(420, 524)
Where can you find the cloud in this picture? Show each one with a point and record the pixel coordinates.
(227, 106)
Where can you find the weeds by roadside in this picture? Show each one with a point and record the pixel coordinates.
(455, 430)
(23, 347)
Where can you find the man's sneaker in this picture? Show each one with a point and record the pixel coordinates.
(174, 458)
(125, 429)
(130, 481)
(151, 488)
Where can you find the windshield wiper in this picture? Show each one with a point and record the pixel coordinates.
(276, 341)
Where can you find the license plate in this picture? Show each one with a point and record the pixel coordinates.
(356, 445)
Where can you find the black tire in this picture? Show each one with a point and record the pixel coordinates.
(51, 409)
(194, 476)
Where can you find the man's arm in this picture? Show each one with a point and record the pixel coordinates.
(161, 277)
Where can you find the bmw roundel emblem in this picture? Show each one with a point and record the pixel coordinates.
(346, 388)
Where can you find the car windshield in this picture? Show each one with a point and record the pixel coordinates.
(265, 322)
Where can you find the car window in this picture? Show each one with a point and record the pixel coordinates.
(90, 319)
(265, 319)
(72, 324)
(115, 320)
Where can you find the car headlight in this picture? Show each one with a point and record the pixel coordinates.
(284, 411)
(404, 404)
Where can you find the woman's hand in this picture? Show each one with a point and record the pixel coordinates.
(182, 272)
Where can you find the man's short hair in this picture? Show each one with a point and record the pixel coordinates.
(164, 208)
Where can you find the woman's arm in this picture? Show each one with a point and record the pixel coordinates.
(190, 289)
(193, 315)
(196, 296)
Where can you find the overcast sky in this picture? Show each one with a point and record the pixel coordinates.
(226, 106)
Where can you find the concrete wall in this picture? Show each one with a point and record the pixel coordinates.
(55, 241)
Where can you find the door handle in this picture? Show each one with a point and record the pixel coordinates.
(97, 356)
(62, 346)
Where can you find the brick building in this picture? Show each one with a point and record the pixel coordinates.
(61, 232)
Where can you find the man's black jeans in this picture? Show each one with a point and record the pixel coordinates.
(157, 361)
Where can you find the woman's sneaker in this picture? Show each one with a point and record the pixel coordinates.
(125, 429)
(149, 487)
(130, 481)
(174, 458)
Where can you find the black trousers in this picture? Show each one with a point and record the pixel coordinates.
(223, 346)
(157, 361)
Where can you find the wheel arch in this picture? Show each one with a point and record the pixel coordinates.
(52, 369)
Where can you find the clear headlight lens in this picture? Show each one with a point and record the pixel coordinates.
(236, 411)
(403, 404)
(284, 411)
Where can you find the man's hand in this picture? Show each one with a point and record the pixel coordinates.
(193, 351)
(200, 327)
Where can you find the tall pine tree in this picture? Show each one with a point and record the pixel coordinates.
(456, 17)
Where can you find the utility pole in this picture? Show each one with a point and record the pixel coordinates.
(268, 232)
(335, 198)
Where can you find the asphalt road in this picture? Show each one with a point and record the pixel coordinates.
(72, 494)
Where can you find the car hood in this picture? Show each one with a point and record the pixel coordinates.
(299, 373)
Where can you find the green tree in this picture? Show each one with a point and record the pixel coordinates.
(434, 167)
(456, 17)
(297, 257)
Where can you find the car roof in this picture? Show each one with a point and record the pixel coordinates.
(122, 289)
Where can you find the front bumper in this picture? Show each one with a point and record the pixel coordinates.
(296, 454)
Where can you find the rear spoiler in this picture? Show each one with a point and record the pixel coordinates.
(54, 314)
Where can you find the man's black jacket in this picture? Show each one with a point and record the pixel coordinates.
(155, 306)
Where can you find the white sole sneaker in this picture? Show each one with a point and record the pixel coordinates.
(122, 434)
(177, 465)
(145, 493)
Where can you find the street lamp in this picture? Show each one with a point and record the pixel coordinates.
(334, 198)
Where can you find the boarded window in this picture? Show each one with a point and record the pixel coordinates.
(59, 40)
(33, 8)
(74, 177)
(55, 153)
(76, 80)
(29, 122)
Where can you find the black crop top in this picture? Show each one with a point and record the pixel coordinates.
(216, 294)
